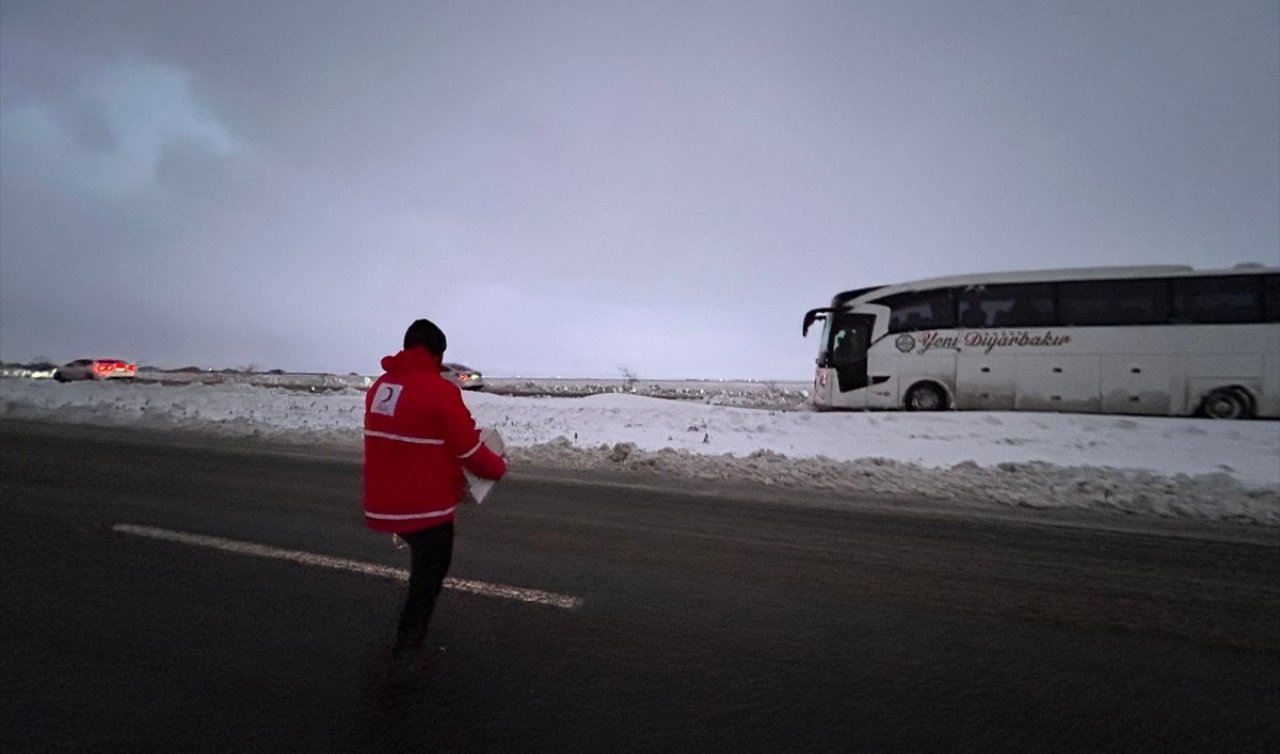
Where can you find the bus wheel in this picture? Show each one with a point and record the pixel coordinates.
(926, 397)
(1226, 403)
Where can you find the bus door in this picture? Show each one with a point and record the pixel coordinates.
(850, 337)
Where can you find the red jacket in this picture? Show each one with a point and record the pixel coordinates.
(418, 435)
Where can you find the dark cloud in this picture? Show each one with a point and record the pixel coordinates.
(571, 186)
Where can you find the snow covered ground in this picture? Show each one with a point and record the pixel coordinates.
(1160, 466)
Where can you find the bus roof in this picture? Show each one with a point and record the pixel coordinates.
(1043, 276)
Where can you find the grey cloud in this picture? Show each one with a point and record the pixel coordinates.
(571, 184)
(87, 125)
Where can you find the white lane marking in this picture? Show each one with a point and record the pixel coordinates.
(502, 591)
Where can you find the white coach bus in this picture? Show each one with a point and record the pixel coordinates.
(1165, 341)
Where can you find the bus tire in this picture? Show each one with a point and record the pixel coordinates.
(1250, 403)
(926, 396)
(1226, 403)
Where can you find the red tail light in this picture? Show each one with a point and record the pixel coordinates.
(133, 367)
(102, 367)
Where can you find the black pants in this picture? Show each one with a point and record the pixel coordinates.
(431, 551)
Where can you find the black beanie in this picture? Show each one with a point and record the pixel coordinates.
(424, 333)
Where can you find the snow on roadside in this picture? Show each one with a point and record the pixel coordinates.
(1160, 466)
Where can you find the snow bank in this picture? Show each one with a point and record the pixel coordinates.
(774, 394)
(1160, 466)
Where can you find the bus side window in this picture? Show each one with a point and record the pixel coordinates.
(1271, 298)
(927, 310)
(971, 314)
(1017, 305)
(1113, 302)
(1229, 298)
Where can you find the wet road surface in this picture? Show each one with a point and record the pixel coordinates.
(755, 620)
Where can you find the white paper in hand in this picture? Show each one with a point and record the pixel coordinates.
(479, 488)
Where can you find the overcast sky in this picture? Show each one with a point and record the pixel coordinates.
(572, 187)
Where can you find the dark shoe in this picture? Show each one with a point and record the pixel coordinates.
(406, 667)
(396, 676)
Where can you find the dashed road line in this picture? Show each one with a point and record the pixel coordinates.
(485, 589)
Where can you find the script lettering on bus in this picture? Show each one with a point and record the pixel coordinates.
(986, 340)
(932, 340)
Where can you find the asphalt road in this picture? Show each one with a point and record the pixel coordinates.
(710, 619)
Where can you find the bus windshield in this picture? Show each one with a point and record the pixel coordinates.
(850, 335)
(824, 344)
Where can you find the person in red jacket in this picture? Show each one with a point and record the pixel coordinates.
(418, 437)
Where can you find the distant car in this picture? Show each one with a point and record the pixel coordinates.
(463, 376)
(95, 369)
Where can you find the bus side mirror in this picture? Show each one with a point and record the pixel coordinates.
(812, 316)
